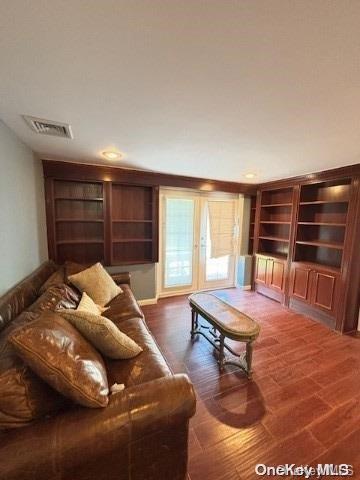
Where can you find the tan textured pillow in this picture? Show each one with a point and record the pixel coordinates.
(57, 352)
(87, 304)
(97, 283)
(103, 334)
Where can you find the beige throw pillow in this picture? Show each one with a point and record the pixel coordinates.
(103, 334)
(87, 304)
(97, 283)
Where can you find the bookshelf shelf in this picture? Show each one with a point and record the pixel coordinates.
(316, 243)
(275, 220)
(322, 218)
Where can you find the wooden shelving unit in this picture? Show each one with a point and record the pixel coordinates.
(252, 225)
(275, 220)
(273, 242)
(133, 224)
(79, 221)
(90, 221)
(322, 217)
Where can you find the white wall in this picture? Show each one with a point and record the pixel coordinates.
(244, 263)
(143, 279)
(23, 244)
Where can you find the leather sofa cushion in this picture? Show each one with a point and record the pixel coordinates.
(143, 368)
(97, 283)
(72, 268)
(56, 297)
(24, 397)
(103, 334)
(123, 307)
(57, 278)
(24, 294)
(57, 352)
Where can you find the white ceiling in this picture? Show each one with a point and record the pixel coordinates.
(211, 88)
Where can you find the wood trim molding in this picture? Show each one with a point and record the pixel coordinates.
(80, 171)
(332, 174)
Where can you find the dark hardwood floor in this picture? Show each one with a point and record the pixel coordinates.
(302, 405)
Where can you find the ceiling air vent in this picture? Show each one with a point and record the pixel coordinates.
(48, 127)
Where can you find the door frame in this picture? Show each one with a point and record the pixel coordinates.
(217, 284)
(159, 271)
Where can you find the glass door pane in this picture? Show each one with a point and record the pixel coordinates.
(178, 242)
(215, 268)
(218, 271)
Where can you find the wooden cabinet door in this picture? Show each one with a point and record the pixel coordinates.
(323, 290)
(260, 270)
(300, 282)
(275, 270)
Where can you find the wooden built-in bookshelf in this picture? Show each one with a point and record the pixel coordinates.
(102, 221)
(133, 224)
(252, 225)
(274, 224)
(306, 245)
(321, 226)
(79, 221)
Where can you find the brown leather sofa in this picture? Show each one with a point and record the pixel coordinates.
(141, 434)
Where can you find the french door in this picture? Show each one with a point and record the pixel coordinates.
(189, 230)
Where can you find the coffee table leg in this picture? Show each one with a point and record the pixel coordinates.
(193, 323)
(249, 350)
(221, 353)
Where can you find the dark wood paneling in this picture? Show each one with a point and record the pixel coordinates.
(77, 171)
(349, 281)
(269, 292)
(260, 269)
(316, 286)
(323, 291)
(270, 277)
(300, 282)
(333, 174)
(313, 312)
(276, 274)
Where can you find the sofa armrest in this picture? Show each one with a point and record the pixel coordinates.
(123, 277)
(100, 441)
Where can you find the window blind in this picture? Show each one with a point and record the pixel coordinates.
(222, 223)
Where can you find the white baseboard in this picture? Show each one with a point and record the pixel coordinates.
(147, 301)
(246, 287)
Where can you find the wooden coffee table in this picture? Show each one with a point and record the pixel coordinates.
(225, 322)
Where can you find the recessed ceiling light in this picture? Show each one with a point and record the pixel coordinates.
(250, 175)
(112, 155)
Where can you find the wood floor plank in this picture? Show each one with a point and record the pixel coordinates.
(346, 451)
(298, 449)
(289, 420)
(303, 404)
(338, 423)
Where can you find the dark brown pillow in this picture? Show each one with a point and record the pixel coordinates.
(57, 278)
(58, 353)
(56, 297)
(24, 397)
